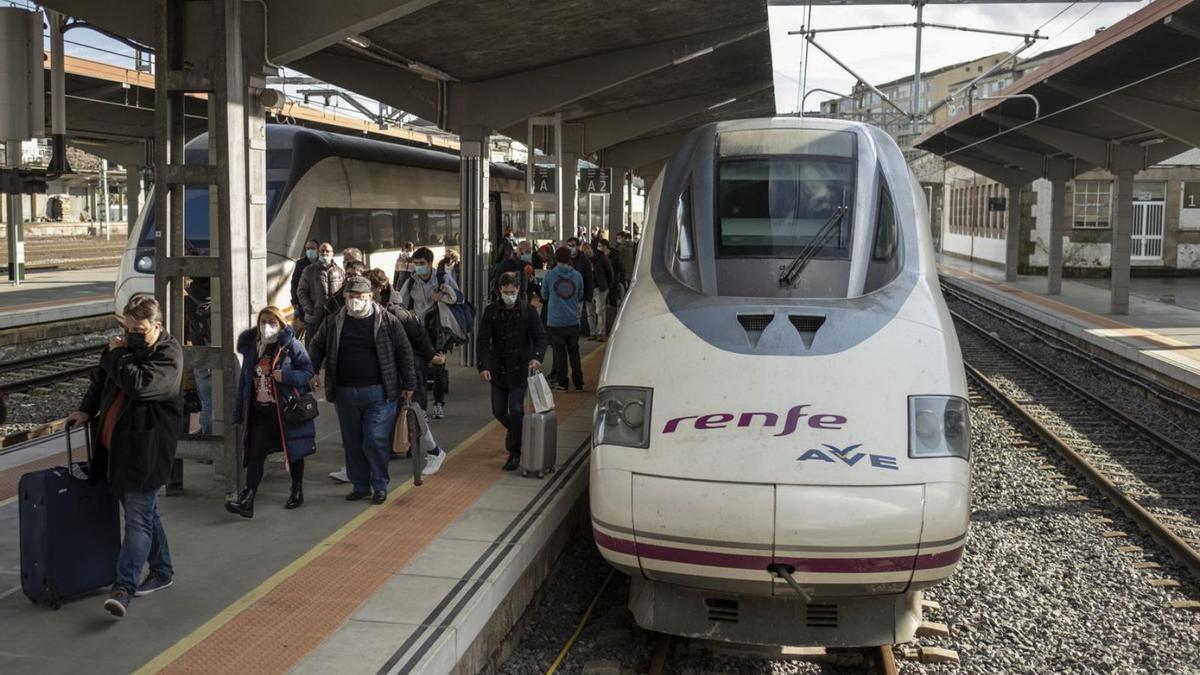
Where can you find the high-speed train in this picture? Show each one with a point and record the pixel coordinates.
(346, 190)
(781, 444)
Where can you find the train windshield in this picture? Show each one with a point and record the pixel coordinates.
(195, 217)
(777, 189)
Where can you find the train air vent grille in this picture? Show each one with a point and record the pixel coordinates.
(721, 609)
(754, 325)
(821, 616)
(807, 326)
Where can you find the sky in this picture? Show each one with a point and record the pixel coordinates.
(888, 54)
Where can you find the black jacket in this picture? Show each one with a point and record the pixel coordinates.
(602, 272)
(584, 266)
(297, 272)
(422, 348)
(391, 346)
(147, 428)
(508, 340)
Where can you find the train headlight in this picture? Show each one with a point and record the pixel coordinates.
(938, 426)
(623, 417)
(144, 262)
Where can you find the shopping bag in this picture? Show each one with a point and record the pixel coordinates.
(540, 393)
(400, 442)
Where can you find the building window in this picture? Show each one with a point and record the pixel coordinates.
(1092, 204)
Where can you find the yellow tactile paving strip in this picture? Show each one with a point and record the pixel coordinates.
(1143, 336)
(275, 626)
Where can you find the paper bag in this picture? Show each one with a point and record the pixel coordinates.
(540, 393)
(400, 443)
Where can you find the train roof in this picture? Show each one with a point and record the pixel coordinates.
(309, 146)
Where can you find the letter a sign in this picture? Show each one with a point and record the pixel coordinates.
(594, 181)
(544, 179)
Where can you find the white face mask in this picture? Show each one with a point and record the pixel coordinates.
(326, 259)
(269, 332)
(510, 299)
(422, 270)
(358, 307)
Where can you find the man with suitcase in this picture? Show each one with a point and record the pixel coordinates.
(511, 344)
(135, 401)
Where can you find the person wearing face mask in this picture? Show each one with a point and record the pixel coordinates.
(368, 370)
(353, 268)
(584, 266)
(421, 294)
(320, 281)
(562, 294)
(135, 400)
(275, 369)
(511, 345)
(311, 252)
(404, 265)
(597, 304)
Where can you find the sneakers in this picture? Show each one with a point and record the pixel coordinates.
(117, 603)
(340, 475)
(439, 411)
(154, 582)
(433, 463)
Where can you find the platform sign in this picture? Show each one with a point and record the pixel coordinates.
(1191, 195)
(595, 181)
(544, 179)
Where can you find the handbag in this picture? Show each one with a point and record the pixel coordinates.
(300, 408)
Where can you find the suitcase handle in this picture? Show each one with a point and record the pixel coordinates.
(88, 442)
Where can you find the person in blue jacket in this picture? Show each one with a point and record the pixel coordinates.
(562, 290)
(275, 367)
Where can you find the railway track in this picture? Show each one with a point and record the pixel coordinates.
(1152, 478)
(37, 371)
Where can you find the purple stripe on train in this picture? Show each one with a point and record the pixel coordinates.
(875, 565)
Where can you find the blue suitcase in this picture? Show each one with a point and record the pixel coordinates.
(70, 532)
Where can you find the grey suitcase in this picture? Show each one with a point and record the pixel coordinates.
(539, 443)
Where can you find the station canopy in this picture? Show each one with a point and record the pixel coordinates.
(624, 74)
(1129, 97)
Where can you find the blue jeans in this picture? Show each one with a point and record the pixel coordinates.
(204, 390)
(366, 419)
(145, 541)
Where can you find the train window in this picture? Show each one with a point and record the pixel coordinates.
(408, 227)
(885, 225)
(383, 229)
(195, 222)
(777, 206)
(683, 226)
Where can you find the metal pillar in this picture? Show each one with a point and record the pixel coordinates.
(58, 92)
(238, 250)
(616, 203)
(1122, 232)
(104, 198)
(474, 218)
(133, 196)
(569, 175)
(916, 85)
(15, 226)
(1058, 222)
(1012, 249)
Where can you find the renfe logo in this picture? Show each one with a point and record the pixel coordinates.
(769, 420)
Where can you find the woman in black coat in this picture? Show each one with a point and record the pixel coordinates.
(275, 368)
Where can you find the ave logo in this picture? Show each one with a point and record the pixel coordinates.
(848, 456)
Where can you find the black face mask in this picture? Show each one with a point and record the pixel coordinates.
(135, 340)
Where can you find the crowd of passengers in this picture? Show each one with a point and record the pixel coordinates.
(376, 345)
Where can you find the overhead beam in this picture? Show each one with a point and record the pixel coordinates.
(602, 131)
(643, 151)
(1032, 162)
(132, 18)
(387, 84)
(1182, 124)
(297, 28)
(999, 173)
(1169, 148)
(1091, 149)
(504, 101)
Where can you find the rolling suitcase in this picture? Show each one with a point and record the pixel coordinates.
(539, 443)
(70, 532)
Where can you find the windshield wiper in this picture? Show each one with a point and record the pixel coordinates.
(788, 276)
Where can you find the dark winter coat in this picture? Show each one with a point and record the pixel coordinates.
(418, 337)
(584, 266)
(395, 353)
(317, 284)
(298, 440)
(147, 428)
(508, 340)
(297, 272)
(602, 272)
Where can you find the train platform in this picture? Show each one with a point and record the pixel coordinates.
(47, 296)
(433, 578)
(1161, 333)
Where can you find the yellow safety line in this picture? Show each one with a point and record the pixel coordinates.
(254, 595)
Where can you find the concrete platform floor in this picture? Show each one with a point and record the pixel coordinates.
(57, 295)
(226, 565)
